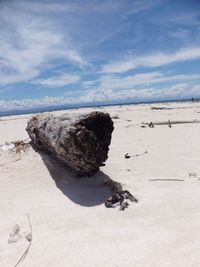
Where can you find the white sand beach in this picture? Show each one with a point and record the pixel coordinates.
(71, 227)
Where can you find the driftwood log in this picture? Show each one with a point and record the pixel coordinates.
(80, 141)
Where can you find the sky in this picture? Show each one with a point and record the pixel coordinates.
(97, 51)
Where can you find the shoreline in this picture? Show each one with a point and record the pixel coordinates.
(100, 105)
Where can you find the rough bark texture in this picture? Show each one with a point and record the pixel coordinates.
(80, 141)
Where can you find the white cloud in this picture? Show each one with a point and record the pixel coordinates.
(182, 90)
(31, 42)
(149, 93)
(60, 80)
(151, 60)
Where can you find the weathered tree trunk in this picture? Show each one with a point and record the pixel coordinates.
(80, 141)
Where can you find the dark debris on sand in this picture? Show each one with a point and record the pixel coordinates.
(120, 199)
(127, 156)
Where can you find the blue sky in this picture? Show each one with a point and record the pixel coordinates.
(71, 52)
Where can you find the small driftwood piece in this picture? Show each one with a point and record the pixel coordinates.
(175, 180)
(127, 156)
(80, 141)
(171, 122)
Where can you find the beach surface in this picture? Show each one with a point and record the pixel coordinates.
(66, 215)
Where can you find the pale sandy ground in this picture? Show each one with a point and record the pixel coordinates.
(71, 227)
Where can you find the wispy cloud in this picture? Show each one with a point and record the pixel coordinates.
(30, 43)
(88, 84)
(117, 82)
(45, 6)
(179, 33)
(151, 60)
(180, 18)
(59, 80)
(138, 6)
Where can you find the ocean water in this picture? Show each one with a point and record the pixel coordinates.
(88, 105)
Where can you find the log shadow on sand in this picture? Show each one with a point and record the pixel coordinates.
(85, 191)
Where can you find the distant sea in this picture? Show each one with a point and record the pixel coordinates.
(79, 106)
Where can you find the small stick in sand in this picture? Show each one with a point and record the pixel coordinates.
(29, 238)
(177, 180)
(137, 155)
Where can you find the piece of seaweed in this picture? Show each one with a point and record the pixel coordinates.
(120, 199)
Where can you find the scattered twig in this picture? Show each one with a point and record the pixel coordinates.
(13, 142)
(127, 156)
(20, 145)
(193, 174)
(152, 180)
(137, 155)
(172, 122)
(151, 124)
(30, 241)
(16, 147)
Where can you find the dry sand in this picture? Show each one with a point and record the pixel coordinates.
(71, 225)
